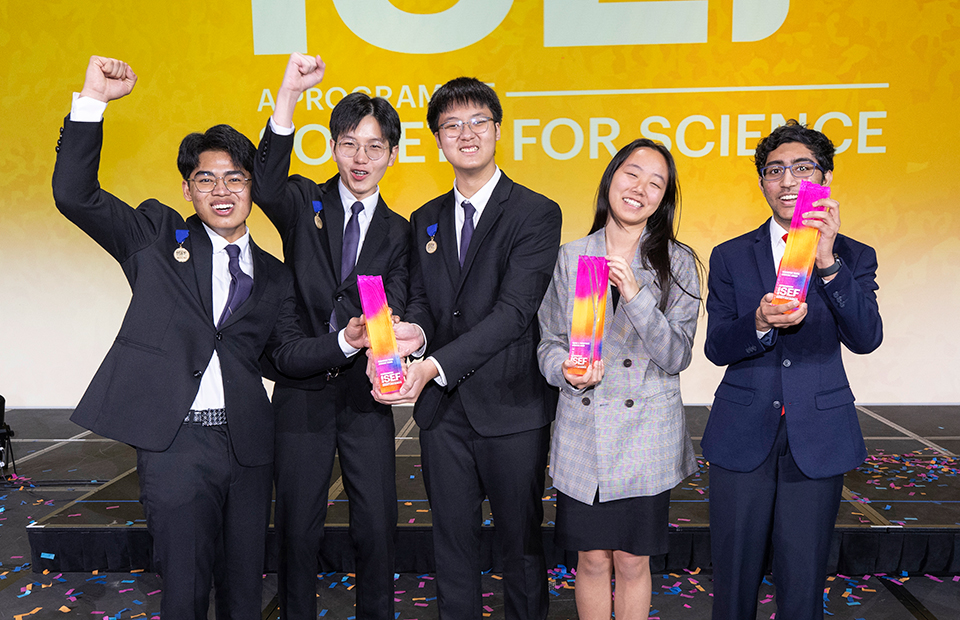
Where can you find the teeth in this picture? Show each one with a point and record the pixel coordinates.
(469, 149)
(361, 173)
(788, 197)
(633, 203)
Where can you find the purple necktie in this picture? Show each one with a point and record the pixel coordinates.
(240, 285)
(466, 233)
(348, 257)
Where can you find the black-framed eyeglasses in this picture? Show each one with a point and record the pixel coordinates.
(206, 183)
(349, 149)
(478, 125)
(799, 170)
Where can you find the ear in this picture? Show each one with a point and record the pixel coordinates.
(827, 178)
(333, 145)
(186, 191)
(497, 127)
(393, 155)
(436, 136)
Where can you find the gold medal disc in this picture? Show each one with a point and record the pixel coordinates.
(181, 254)
(318, 221)
(431, 246)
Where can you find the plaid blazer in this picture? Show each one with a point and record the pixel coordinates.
(627, 435)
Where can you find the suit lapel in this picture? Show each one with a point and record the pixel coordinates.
(764, 256)
(201, 256)
(488, 220)
(334, 208)
(375, 238)
(261, 278)
(447, 237)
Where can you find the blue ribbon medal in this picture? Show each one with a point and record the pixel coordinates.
(317, 208)
(181, 253)
(431, 245)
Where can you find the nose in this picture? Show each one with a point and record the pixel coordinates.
(220, 189)
(361, 155)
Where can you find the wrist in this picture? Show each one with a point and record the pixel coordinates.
(830, 269)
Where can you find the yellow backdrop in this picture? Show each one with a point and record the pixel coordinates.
(577, 78)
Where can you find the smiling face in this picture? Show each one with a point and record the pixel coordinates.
(222, 210)
(360, 174)
(470, 154)
(637, 188)
(781, 194)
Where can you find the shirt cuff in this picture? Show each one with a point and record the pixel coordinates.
(422, 350)
(348, 350)
(765, 338)
(86, 109)
(280, 131)
(441, 378)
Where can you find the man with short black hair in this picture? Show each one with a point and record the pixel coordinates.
(331, 232)
(483, 256)
(181, 382)
(783, 428)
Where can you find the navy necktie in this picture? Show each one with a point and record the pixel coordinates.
(240, 285)
(348, 257)
(351, 240)
(466, 233)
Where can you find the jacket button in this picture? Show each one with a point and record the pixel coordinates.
(219, 335)
(456, 313)
(197, 373)
(585, 401)
(57, 149)
(777, 404)
(787, 363)
(339, 297)
(628, 402)
(628, 363)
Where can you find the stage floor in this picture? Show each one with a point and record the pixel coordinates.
(77, 496)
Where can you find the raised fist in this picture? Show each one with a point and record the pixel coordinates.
(108, 79)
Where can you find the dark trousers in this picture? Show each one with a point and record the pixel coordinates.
(196, 498)
(775, 504)
(312, 426)
(459, 468)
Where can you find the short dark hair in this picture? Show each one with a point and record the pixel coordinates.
(222, 138)
(819, 144)
(353, 108)
(462, 91)
(660, 227)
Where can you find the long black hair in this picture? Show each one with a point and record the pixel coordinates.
(660, 227)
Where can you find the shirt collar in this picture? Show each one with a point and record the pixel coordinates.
(776, 232)
(219, 243)
(480, 199)
(369, 203)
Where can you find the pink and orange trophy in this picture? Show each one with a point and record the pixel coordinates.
(383, 342)
(589, 309)
(793, 277)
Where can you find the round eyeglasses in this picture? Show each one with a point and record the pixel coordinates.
(349, 149)
(206, 183)
(478, 125)
(799, 170)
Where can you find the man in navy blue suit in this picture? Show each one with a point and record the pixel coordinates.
(783, 428)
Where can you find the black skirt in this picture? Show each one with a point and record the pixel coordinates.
(637, 525)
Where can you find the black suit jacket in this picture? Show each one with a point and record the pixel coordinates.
(481, 320)
(801, 370)
(150, 377)
(315, 257)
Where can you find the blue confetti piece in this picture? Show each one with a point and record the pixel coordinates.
(48, 556)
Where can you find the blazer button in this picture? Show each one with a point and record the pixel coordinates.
(777, 404)
(585, 401)
(219, 335)
(339, 297)
(628, 402)
(787, 363)
(456, 313)
(197, 373)
(628, 363)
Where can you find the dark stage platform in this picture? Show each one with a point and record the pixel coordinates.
(900, 516)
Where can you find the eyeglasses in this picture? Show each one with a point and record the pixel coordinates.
(478, 125)
(799, 170)
(349, 149)
(206, 183)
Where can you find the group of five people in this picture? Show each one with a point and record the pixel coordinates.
(483, 297)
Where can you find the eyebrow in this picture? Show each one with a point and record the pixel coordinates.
(211, 173)
(780, 162)
(659, 176)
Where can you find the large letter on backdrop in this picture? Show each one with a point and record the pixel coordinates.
(279, 26)
(754, 20)
(590, 22)
(380, 23)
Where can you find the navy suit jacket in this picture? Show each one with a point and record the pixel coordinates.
(315, 257)
(801, 370)
(150, 377)
(481, 321)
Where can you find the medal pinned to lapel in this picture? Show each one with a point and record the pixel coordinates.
(431, 246)
(181, 253)
(317, 208)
